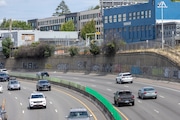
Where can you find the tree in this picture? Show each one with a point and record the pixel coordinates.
(61, 9)
(94, 49)
(15, 25)
(89, 27)
(6, 47)
(73, 51)
(68, 26)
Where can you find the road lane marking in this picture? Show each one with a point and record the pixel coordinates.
(79, 102)
(23, 111)
(75, 78)
(56, 110)
(16, 98)
(93, 85)
(121, 114)
(109, 89)
(126, 86)
(156, 111)
(50, 102)
(21, 104)
(108, 82)
(161, 96)
(139, 101)
(92, 80)
(178, 103)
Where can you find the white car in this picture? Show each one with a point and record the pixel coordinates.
(37, 100)
(4, 71)
(125, 77)
(1, 89)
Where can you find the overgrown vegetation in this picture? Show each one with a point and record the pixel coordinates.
(73, 50)
(94, 49)
(6, 47)
(35, 50)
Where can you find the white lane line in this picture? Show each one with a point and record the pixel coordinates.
(50, 102)
(161, 96)
(56, 110)
(93, 85)
(23, 111)
(75, 78)
(178, 103)
(10, 93)
(126, 86)
(16, 98)
(109, 89)
(156, 111)
(21, 104)
(108, 82)
(139, 101)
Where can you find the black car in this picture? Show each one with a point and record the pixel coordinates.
(42, 74)
(4, 77)
(43, 85)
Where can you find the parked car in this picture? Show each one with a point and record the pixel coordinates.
(78, 114)
(37, 100)
(1, 89)
(125, 77)
(13, 84)
(147, 92)
(42, 74)
(4, 70)
(43, 85)
(124, 97)
(3, 115)
(4, 77)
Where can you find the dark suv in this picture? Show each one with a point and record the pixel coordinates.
(123, 97)
(4, 77)
(43, 85)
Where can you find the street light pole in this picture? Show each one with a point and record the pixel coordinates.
(162, 5)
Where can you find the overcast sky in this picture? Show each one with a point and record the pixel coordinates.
(31, 9)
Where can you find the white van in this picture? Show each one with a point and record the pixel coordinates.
(4, 70)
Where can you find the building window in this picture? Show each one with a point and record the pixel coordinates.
(105, 19)
(142, 14)
(130, 16)
(149, 13)
(124, 17)
(119, 17)
(146, 14)
(115, 18)
(110, 19)
(138, 15)
(134, 15)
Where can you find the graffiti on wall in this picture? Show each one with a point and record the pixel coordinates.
(117, 68)
(96, 67)
(29, 65)
(136, 70)
(107, 67)
(48, 66)
(81, 65)
(63, 66)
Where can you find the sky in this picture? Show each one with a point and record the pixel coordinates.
(31, 9)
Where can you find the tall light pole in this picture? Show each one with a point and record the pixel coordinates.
(162, 5)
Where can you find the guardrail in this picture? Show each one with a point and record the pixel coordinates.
(104, 105)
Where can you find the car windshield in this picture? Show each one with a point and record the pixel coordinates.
(78, 114)
(44, 81)
(149, 89)
(2, 74)
(37, 96)
(125, 93)
(14, 82)
(128, 74)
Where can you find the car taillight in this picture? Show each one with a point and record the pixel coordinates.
(155, 92)
(132, 96)
(144, 92)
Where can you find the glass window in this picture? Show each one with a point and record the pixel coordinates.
(105, 19)
(149, 13)
(115, 18)
(146, 14)
(119, 17)
(124, 17)
(134, 15)
(130, 16)
(142, 14)
(110, 19)
(138, 15)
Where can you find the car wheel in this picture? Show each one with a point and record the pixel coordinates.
(131, 81)
(120, 81)
(19, 88)
(114, 102)
(155, 97)
(119, 105)
(44, 107)
(142, 97)
(139, 96)
(49, 88)
(116, 81)
(133, 103)
(37, 89)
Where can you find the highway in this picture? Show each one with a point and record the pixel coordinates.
(165, 107)
(59, 102)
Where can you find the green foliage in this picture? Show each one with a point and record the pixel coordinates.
(16, 25)
(35, 50)
(73, 51)
(6, 47)
(61, 9)
(97, 7)
(94, 49)
(89, 27)
(110, 48)
(68, 26)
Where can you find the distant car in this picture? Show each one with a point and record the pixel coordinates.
(42, 74)
(4, 71)
(4, 77)
(147, 92)
(1, 89)
(37, 100)
(43, 85)
(124, 97)
(78, 114)
(125, 77)
(3, 115)
(14, 85)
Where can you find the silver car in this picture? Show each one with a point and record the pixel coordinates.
(78, 114)
(14, 85)
(147, 92)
